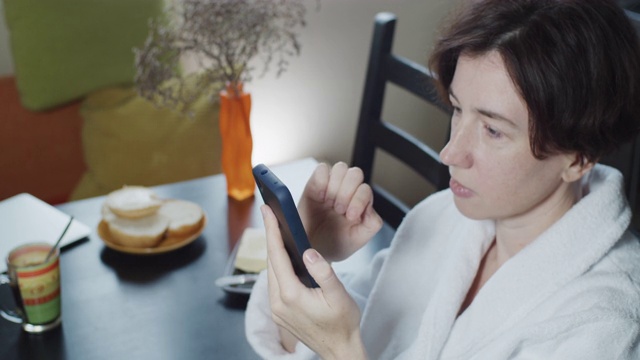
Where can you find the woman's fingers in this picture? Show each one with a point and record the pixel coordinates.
(337, 186)
(283, 284)
(343, 184)
(322, 272)
(277, 256)
(338, 172)
(272, 284)
(316, 187)
(372, 219)
(352, 180)
(361, 199)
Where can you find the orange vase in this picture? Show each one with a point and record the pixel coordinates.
(237, 144)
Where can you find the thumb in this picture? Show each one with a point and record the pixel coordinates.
(323, 274)
(369, 226)
(371, 220)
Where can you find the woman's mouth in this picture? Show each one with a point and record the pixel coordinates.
(459, 190)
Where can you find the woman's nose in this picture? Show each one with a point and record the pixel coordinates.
(456, 151)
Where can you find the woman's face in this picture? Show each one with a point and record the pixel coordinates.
(493, 172)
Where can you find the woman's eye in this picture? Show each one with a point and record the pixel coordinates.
(493, 132)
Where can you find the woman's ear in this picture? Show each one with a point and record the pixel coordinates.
(577, 168)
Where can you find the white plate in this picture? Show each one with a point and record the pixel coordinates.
(167, 244)
(230, 269)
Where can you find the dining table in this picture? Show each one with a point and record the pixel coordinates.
(118, 305)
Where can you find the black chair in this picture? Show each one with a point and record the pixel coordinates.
(374, 133)
(627, 157)
(627, 160)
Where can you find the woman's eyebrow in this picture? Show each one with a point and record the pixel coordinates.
(488, 113)
(496, 116)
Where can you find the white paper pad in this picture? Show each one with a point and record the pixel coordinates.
(25, 218)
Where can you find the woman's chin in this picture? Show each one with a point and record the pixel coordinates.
(470, 210)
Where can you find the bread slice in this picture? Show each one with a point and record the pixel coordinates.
(185, 217)
(140, 232)
(252, 251)
(133, 202)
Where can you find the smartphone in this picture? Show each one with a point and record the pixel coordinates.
(276, 194)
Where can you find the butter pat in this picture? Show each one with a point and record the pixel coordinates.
(252, 252)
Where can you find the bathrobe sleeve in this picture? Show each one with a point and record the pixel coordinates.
(612, 338)
(262, 332)
(360, 284)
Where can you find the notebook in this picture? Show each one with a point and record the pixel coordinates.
(25, 218)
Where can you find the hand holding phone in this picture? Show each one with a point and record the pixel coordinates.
(276, 194)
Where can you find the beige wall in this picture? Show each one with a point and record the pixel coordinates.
(315, 104)
(312, 109)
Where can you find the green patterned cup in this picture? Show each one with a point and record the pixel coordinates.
(35, 285)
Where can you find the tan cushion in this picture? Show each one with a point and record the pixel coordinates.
(129, 141)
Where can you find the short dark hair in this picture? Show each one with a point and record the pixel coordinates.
(576, 64)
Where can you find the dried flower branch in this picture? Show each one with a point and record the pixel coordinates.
(224, 37)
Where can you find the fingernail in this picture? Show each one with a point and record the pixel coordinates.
(312, 256)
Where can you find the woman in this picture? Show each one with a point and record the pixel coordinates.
(528, 253)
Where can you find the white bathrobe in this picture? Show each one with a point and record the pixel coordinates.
(574, 293)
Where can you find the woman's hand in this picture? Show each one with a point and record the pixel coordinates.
(326, 319)
(336, 209)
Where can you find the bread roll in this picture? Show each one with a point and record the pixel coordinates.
(185, 217)
(140, 232)
(107, 214)
(133, 202)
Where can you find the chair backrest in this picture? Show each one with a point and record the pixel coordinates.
(627, 157)
(375, 133)
(627, 160)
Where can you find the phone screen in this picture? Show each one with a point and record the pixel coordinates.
(276, 194)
